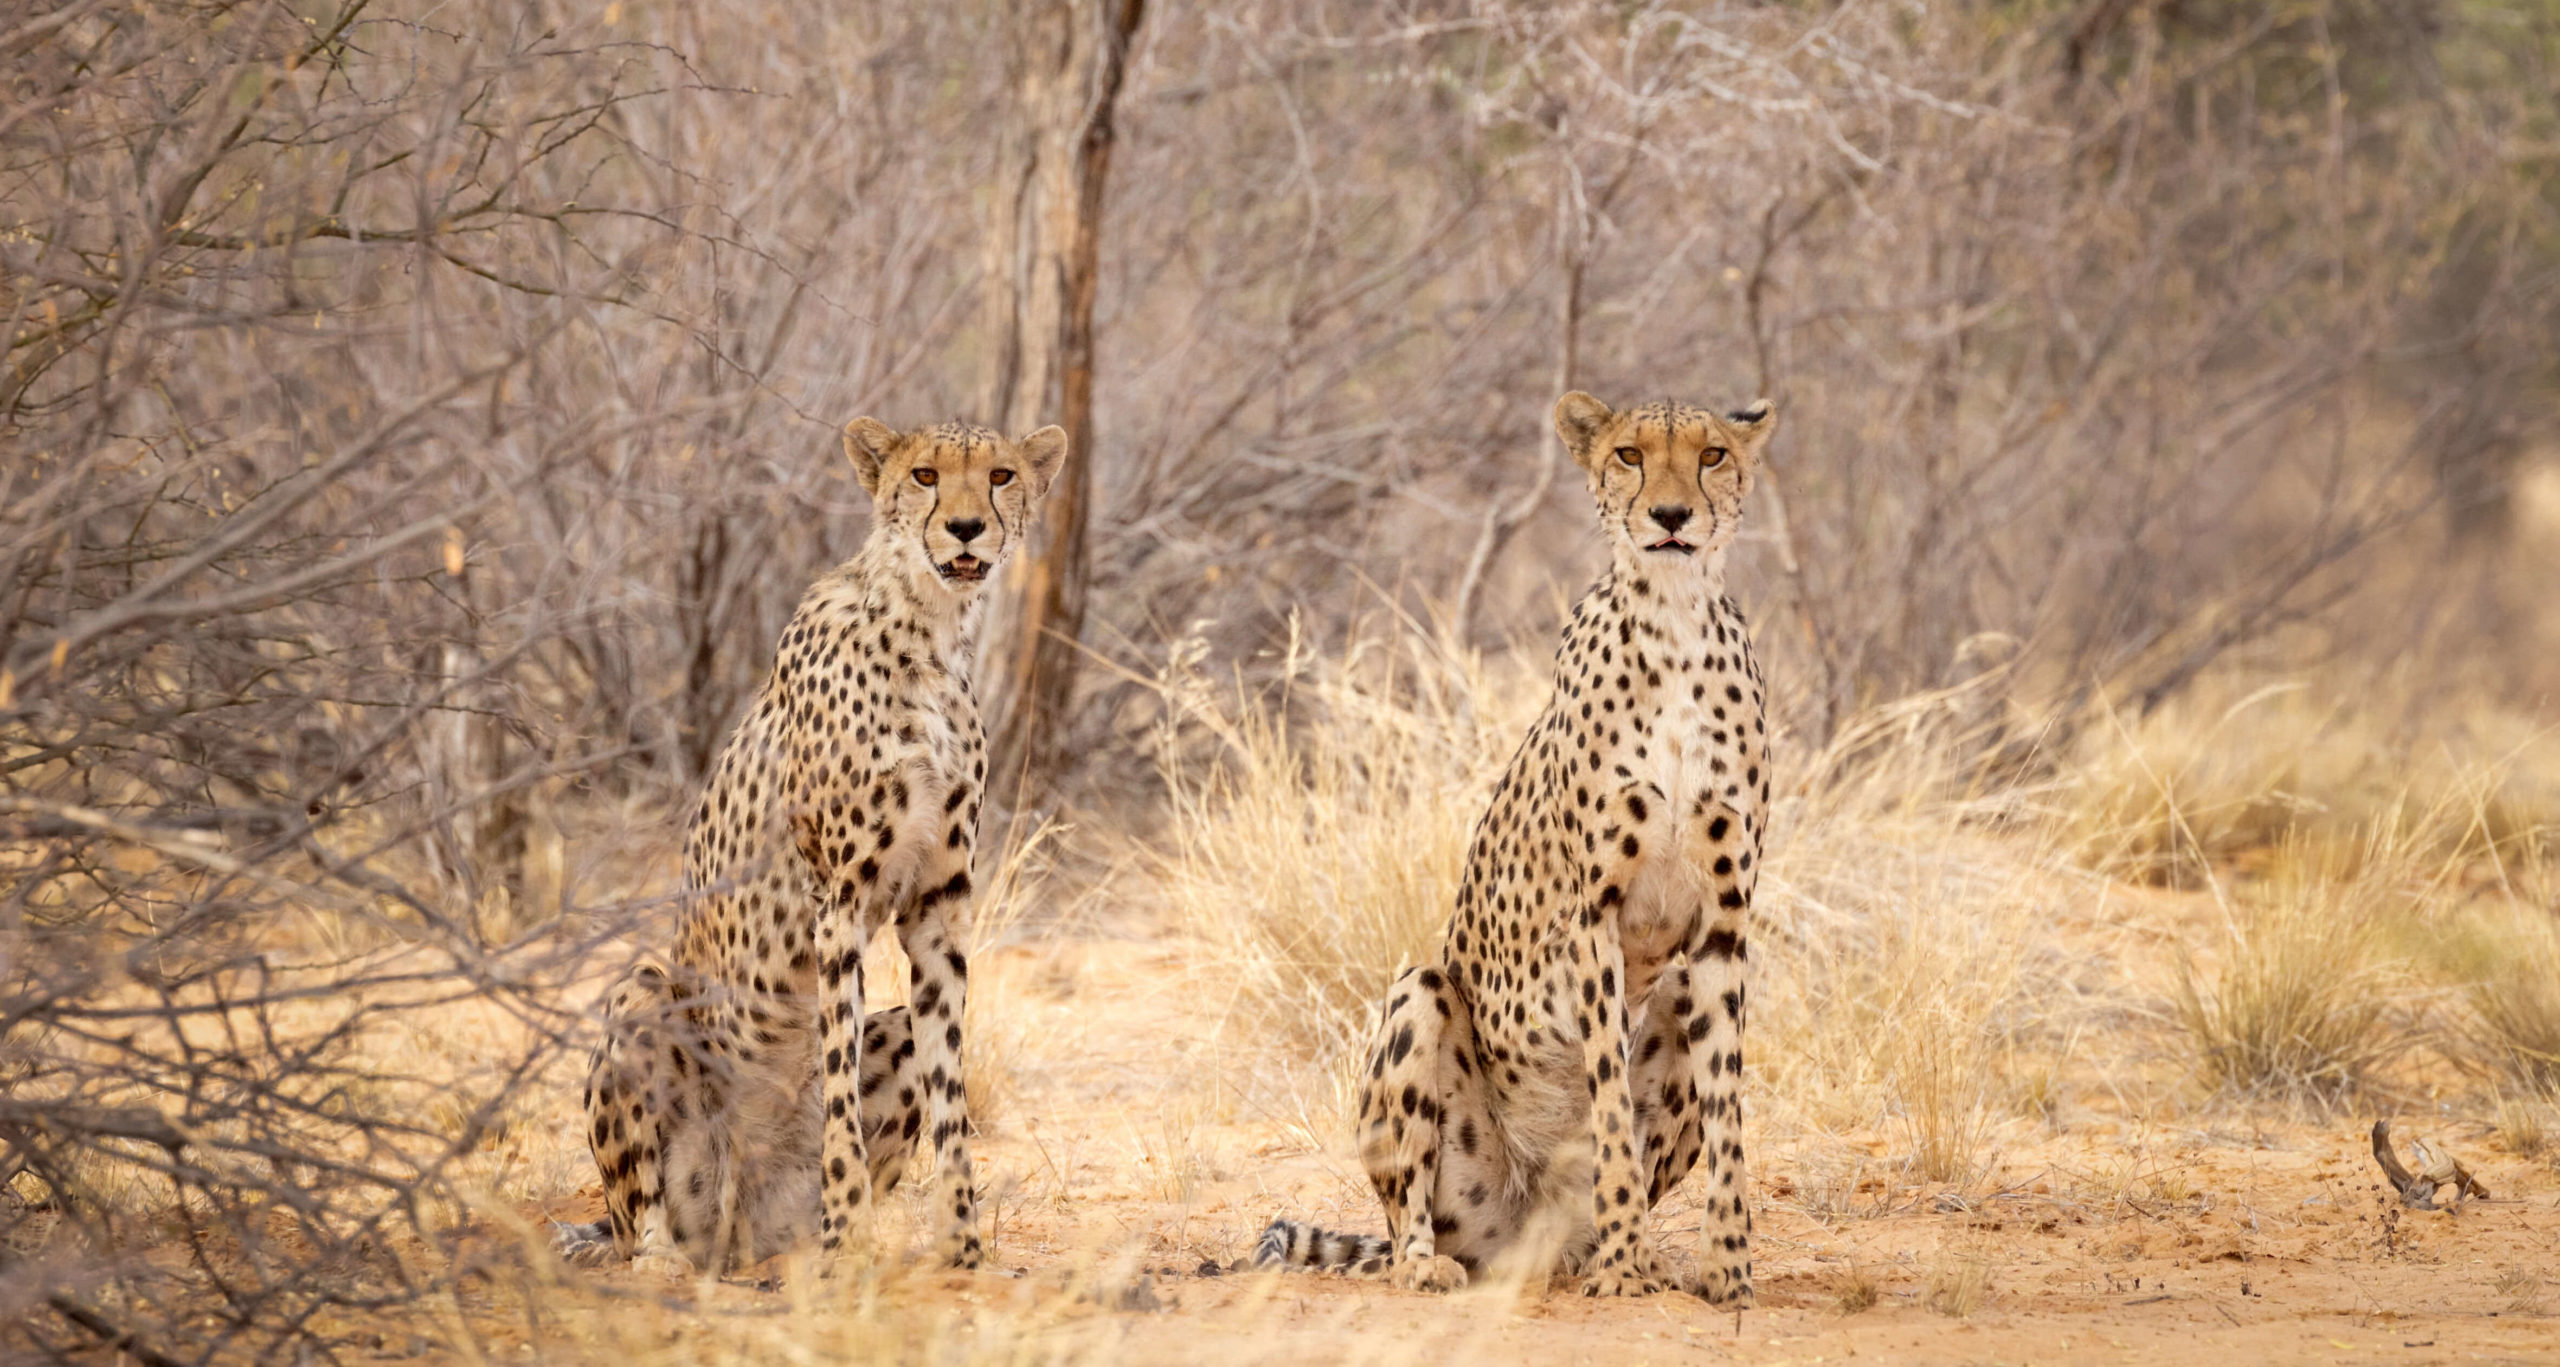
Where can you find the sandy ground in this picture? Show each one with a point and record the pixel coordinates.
(1127, 1154)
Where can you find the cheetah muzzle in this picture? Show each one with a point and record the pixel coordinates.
(1574, 1050)
(741, 1100)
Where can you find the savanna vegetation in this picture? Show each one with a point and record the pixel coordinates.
(418, 420)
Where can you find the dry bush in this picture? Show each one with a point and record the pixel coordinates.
(385, 523)
(2037, 379)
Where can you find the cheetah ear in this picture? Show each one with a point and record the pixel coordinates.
(1753, 422)
(1044, 451)
(1579, 418)
(867, 443)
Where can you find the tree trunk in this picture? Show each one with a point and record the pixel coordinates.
(1067, 59)
(475, 823)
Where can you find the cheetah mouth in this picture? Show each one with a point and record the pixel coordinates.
(963, 569)
(1673, 543)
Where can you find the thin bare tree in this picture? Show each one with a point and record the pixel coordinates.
(1068, 60)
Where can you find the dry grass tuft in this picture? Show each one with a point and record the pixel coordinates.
(2207, 778)
(2295, 1007)
(1001, 917)
(1906, 967)
(1958, 1283)
(1318, 831)
(2523, 1289)
(1856, 1290)
(2504, 956)
(1943, 1089)
(2525, 1125)
(1906, 962)
(1175, 1152)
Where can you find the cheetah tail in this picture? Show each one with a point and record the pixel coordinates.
(1288, 1243)
(588, 1245)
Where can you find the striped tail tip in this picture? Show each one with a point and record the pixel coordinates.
(1291, 1243)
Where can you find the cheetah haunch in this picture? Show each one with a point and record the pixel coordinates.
(1577, 1045)
(740, 1099)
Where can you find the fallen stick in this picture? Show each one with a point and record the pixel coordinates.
(2437, 1172)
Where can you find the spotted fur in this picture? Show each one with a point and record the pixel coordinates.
(1575, 1048)
(740, 1100)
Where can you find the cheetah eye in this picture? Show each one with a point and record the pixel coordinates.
(1628, 455)
(1713, 456)
(999, 478)
(925, 476)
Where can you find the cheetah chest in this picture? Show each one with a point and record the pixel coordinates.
(1697, 763)
(927, 752)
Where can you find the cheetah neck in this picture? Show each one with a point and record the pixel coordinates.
(881, 581)
(1675, 590)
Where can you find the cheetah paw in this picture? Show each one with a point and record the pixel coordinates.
(1612, 1282)
(1429, 1274)
(963, 1252)
(847, 1263)
(1723, 1288)
(673, 1267)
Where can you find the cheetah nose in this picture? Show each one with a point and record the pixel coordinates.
(1671, 516)
(965, 528)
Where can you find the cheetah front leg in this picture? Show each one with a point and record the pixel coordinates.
(1621, 1262)
(940, 991)
(1718, 964)
(638, 1070)
(1400, 1134)
(844, 1161)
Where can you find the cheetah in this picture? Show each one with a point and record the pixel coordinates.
(740, 1099)
(1576, 1046)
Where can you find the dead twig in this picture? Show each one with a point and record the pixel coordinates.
(2437, 1171)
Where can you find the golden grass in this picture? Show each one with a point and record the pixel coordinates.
(1317, 832)
(1001, 916)
(2525, 1124)
(1909, 943)
(2295, 1007)
(2503, 955)
(1937, 971)
(1905, 960)
(2235, 769)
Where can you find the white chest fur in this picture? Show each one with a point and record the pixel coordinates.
(1695, 755)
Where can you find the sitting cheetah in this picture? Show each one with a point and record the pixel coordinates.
(739, 1096)
(1577, 1045)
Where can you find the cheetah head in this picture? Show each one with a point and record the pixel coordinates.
(962, 496)
(1669, 478)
